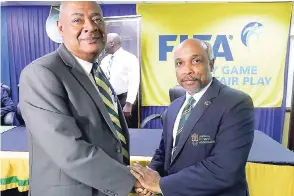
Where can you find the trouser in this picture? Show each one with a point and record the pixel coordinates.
(132, 120)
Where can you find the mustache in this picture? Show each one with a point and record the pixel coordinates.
(190, 78)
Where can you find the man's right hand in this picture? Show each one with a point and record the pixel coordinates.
(127, 110)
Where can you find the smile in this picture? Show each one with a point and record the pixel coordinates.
(91, 40)
(190, 81)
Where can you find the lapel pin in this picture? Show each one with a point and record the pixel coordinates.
(207, 102)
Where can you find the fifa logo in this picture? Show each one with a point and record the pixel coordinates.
(220, 42)
(221, 47)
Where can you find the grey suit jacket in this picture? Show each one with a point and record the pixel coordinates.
(74, 149)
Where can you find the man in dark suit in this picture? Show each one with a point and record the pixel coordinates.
(7, 104)
(207, 134)
(78, 137)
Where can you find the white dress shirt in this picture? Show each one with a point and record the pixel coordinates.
(197, 97)
(87, 67)
(123, 70)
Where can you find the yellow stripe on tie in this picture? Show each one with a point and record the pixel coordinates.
(115, 120)
(107, 102)
(99, 82)
(125, 153)
(121, 137)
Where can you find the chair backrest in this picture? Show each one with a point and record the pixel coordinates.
(176, 92)
(149, 118)
(7, 88)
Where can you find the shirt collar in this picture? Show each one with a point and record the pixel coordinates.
(118, 51)
(87, 66)
(198, 95)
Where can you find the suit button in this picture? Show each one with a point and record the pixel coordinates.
(118, 150)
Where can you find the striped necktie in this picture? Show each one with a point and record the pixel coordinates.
(106, 92)
(185, 114)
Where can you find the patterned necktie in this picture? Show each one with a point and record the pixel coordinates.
(185, 114)
(106, 92)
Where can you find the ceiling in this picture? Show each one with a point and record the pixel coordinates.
(44, 3)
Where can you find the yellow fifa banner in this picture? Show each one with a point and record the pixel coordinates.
(249, 42)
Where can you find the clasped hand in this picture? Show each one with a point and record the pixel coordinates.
(147, 180)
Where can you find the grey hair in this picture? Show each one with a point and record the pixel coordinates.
(208, 48)
(114, 37)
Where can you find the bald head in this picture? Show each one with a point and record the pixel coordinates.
(198, 43)
(113, 43)
(194, 62)
(114, 37)
(65, 5)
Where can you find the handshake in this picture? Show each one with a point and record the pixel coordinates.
(147, 180)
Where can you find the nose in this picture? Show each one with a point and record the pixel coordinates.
(188, 68)
(90, 27)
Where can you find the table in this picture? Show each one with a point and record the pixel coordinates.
(269, 169)
(143, 142)
(6, 128)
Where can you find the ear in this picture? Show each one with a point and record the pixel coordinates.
(211, 65)
(104, 38)
(59, 28)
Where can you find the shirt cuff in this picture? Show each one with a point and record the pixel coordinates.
(131, 101)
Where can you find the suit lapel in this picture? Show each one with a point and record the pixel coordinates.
(170, 126)
(203, 104)
(78, 72)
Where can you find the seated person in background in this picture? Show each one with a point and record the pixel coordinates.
(7, 104)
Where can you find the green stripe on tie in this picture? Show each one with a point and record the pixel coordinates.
(184, 116)
(105, 92)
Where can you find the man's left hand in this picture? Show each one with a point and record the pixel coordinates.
(141, 191)
(147, 177)
(127, 109)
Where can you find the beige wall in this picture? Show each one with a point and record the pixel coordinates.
(286, 129)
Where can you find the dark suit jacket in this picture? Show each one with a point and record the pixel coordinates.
(213, 147)
(7, 104)
(73, 146)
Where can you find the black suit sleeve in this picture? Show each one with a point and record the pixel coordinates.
(157, 162)
(7, 104)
